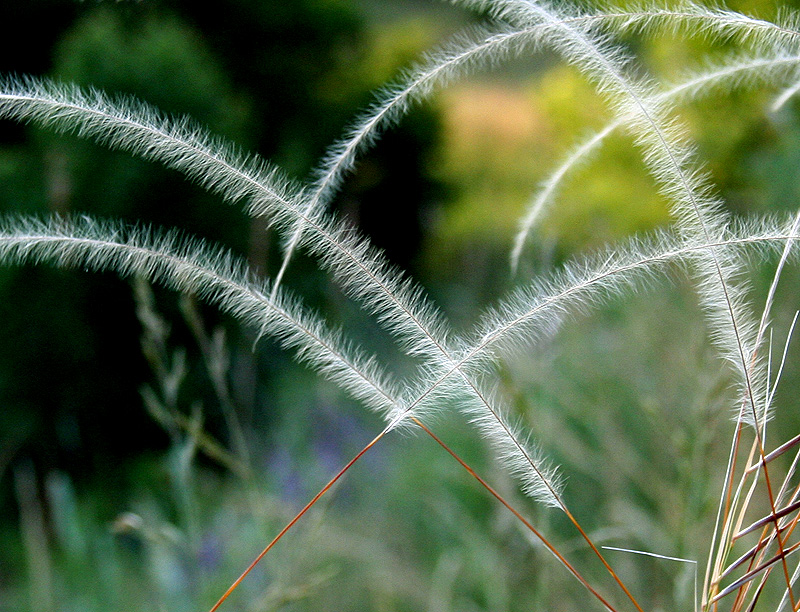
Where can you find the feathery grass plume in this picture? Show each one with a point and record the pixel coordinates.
(541, 482)
(130, 125)
(513, 446)
(176, 146)
(535, 311)
(360, 268)
(672, 163)
(515, 322)
(138, 128)
(469, 51)
(716, 23)
(483, 48)
(220, 279)
(216, 277)
(345, 261)
(736, 71)
(476, 49)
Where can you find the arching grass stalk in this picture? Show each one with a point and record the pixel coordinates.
(737, 71)
(482, 48)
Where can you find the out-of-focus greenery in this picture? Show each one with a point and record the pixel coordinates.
(280, 80)
(107, 506)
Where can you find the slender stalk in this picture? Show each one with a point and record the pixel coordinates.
(516, 513)
(472, 472)
(297, 517)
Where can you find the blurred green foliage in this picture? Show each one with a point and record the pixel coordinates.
(277, 78)
(280, 79)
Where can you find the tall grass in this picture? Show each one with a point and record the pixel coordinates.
(748, 550)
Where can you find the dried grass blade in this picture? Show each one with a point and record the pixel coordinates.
(770, 518)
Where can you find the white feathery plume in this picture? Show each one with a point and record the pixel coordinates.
(216, 277)
(706, 242)
(690, 18)
(468, 52)
(138, 128)
(360, 268)
(672, 164)
(512, 443)
(127, 124)
(490, 420)
(483, 48)
(537, 310)
(737, 71)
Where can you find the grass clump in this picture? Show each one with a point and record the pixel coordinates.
(505, 378)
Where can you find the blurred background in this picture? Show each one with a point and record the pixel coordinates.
(149, 447)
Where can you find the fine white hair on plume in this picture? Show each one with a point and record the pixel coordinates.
(470, 51)
(452, 372)
(130, 125)
(215, 276)
(135, 127)
(362, 270)
(511, 442)
(536, 310)
(738, 70)
(673, 165)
